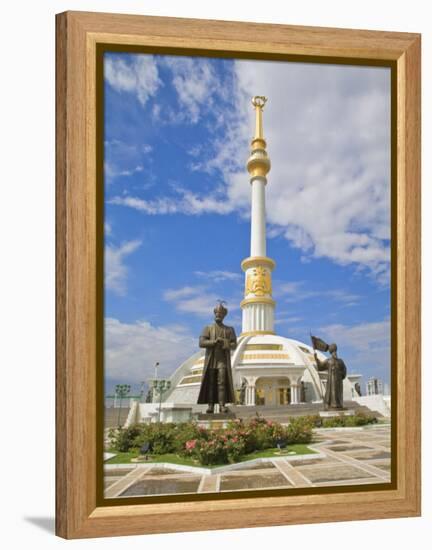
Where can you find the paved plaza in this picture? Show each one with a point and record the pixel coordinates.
(344, 456)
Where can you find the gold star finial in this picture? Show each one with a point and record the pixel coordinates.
(259, 101)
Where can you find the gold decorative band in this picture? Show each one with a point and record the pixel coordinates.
(258, 168)
(256, 333)
(252, 356)
(257, 300)
(257, 260)
(259, 143)
(190, 380)
(273, 347)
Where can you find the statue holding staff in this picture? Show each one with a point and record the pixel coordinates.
(336, 373)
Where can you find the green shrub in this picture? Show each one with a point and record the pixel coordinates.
(187, 431)
(299, 430)
(122, 439)
(343, 421)
(218, 448)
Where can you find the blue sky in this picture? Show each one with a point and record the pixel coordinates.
(177, 200)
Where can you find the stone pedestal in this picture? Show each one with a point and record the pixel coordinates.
(337, 412)
(215, 421)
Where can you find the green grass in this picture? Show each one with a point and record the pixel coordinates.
(298, 449)
(171, 458)
(120, 458)
(125, 458)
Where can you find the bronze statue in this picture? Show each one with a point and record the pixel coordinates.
(216, 383)
(336, 369)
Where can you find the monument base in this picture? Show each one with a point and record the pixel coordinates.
(331, 413)
(215, 421)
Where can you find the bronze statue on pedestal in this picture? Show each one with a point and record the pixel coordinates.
(217, 383)
(336, 369)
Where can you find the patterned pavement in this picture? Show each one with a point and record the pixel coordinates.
(346, 456)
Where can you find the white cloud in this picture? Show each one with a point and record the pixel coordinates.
(218, 276)
(125, 159)
(195, 82)
(294, 291)
(139, 75)
(116, 271)
(288, 320)
(180, 293)
(186, 203)
(112, 171)
(198, 300)
(133, 348)
(327, 129)
(370, 343)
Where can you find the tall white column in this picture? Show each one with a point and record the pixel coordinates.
(258, 217)
(258, 304)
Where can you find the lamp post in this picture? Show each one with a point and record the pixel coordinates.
(121, 391)
(156, 365)
(156, 368)
(160, 387)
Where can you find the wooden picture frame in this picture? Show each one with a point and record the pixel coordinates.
(78, 514)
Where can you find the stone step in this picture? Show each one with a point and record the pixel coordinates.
(282, 412)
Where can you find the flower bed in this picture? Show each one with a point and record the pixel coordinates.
(212, 446)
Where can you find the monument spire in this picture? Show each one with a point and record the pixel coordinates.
(258, 305)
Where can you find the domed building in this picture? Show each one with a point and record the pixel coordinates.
(268, 369)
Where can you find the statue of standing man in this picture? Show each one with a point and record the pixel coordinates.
(336, 373)
(217, 383)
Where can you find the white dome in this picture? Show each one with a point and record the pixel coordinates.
(257, 359)
(265, 356)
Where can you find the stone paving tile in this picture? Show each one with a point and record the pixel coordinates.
(163, 486)
(246, 473)
(370, 455)
(369, 469)
(292, 474)
(313, 461)
(118, 472)
(124, 482)
(112, 479)
(345, 482)
(343, 448)
(374, 440)
(259, 466)
(386, 466)
(158, 471)
(235, 482)
(209, 484)
(331, 473)
(339, 441)
(109, 481)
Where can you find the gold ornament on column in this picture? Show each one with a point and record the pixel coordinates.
(258, 163)
(258, 282)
